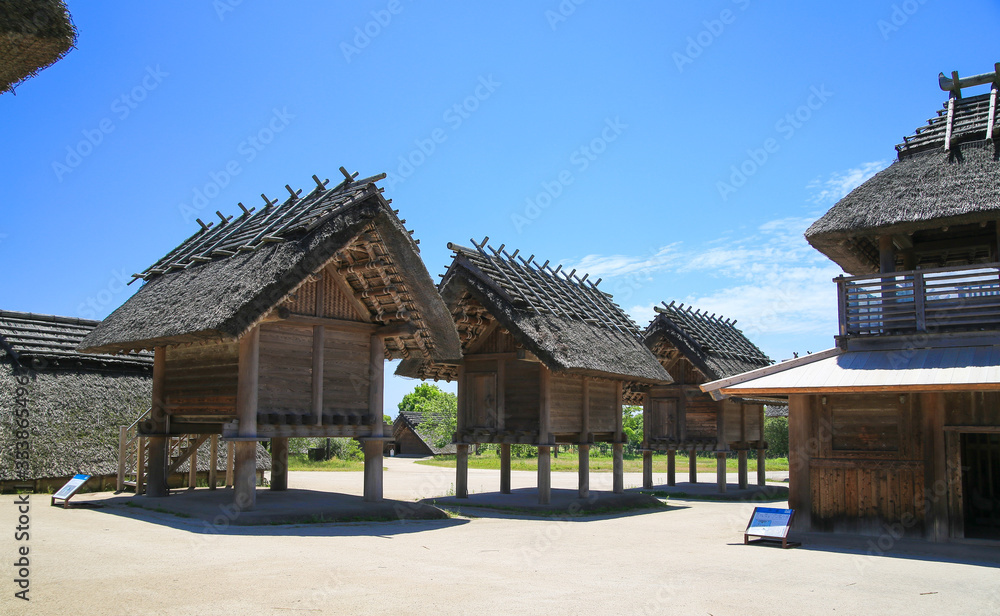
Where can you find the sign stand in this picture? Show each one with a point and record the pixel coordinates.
(770, 526)
(69, 490)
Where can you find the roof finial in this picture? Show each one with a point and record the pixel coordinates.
(267, 201)
(320, 184)
(294, 193)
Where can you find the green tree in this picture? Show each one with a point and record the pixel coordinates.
(632, 427)
(420, 394)
(776, 435)
(438, 409)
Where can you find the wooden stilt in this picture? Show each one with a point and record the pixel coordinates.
(279, 463)
(122, 440)
(672, 467)
(544, 475)
(618, 468)
(584, 472)
(230, 463)
(193, 470)
(213, 468)
(373, 471)
(647, 469)
(462, 471)
(720, 470)
(692, 466)
(140, 465)
(245, 471)
(505, 468)
(742, 458)
(761, 470)
(156, 478)
(374, 447)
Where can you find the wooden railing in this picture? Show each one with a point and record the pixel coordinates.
(963, 298)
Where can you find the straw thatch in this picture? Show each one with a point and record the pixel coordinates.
(927, 188)
(566, 322)
(34, 34)
(225, 279)
(712, 344)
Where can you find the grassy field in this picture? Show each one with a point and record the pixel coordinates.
(567, 461)
(301, 462)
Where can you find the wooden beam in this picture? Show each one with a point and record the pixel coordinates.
(156, 481)
(800, 426)
(299, 320)
(347, 291)
(396, 330)
(245, 480)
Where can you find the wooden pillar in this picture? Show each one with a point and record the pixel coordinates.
(230, 463)
(462, 471)
(647, 469)
(374, 446)
(156, 478)
(761, 470)
(505, 468)
(618, 468)
(671, 467)
(279, 463)
(584, 478)
(122, 440)
(319, 344)
(886, 254)
(192, 468)
(544, 437)
(801, 409)
(245, 480)
(544, 475)
(932, 410)
(140, 465)
(742, 457)
(213, 467)
(692, 466)
(617, 448)
(720, 470)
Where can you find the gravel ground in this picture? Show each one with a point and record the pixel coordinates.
(687, 559)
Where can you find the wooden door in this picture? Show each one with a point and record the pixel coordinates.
(482, 400)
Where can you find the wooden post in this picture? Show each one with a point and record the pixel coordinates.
(230, 462)
(671, 467)
(584, 474)
(192, 467)
(583, 479)
(544, 475)
(140, 464)
(374, 446)
(156, 481)
(932, 407)
(213, 470)
(800, 422)
(692, 466)
(122, 441)
(720, 470)
(761, 466)
(462, 471)
(505, 468)
(279, 463)
(742, 458)
(647, 469)
(618, 468)
(245, 480)
(319, 342)
(617, 448)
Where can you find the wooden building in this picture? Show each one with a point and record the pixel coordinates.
(897, 428)
(695, 347)
(410, 440)
(277, 324)
(547, 358)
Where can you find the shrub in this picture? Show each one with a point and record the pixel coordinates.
(776, 435)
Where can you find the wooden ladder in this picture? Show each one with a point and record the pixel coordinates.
(133, 456)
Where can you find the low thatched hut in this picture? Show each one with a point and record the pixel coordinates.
(548, 358)
(897, 428)
(277, 324)
(411, 440)
(34, 34)
(695, 347)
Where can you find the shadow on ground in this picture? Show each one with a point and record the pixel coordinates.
(563, 504)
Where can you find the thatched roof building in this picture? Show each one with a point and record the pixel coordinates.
(228, 276)
(564, 320)
(411, 440)
(34, 34)
(943, 189)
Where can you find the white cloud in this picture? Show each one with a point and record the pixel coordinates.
(836, 187)
(601, 266)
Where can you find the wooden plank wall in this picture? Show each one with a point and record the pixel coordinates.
(285, 369)
(603, 405)
(521, 394)
(201, 380)
(336, 303)
(701, 415)
(345, 372)
(567, 404)
(497, 342)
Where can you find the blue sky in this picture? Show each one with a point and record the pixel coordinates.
(677, 150)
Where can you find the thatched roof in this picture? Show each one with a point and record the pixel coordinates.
(33, 35)
(226, 278)
(413, 420)
(43, 341)
(927, 188)
(562, 319)
(713, 344)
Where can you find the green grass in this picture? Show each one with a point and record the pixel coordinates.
(568, 462)
(301, 462)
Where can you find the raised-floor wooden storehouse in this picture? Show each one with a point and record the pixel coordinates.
(277, 323)
(695, 348)
(897, 428)
(410, 440)
(548, 358)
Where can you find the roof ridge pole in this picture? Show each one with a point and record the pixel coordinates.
(991, 120)
(549, 291)
(512, 264)
(499, 266)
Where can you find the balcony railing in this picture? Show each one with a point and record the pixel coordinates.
(963, 298)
